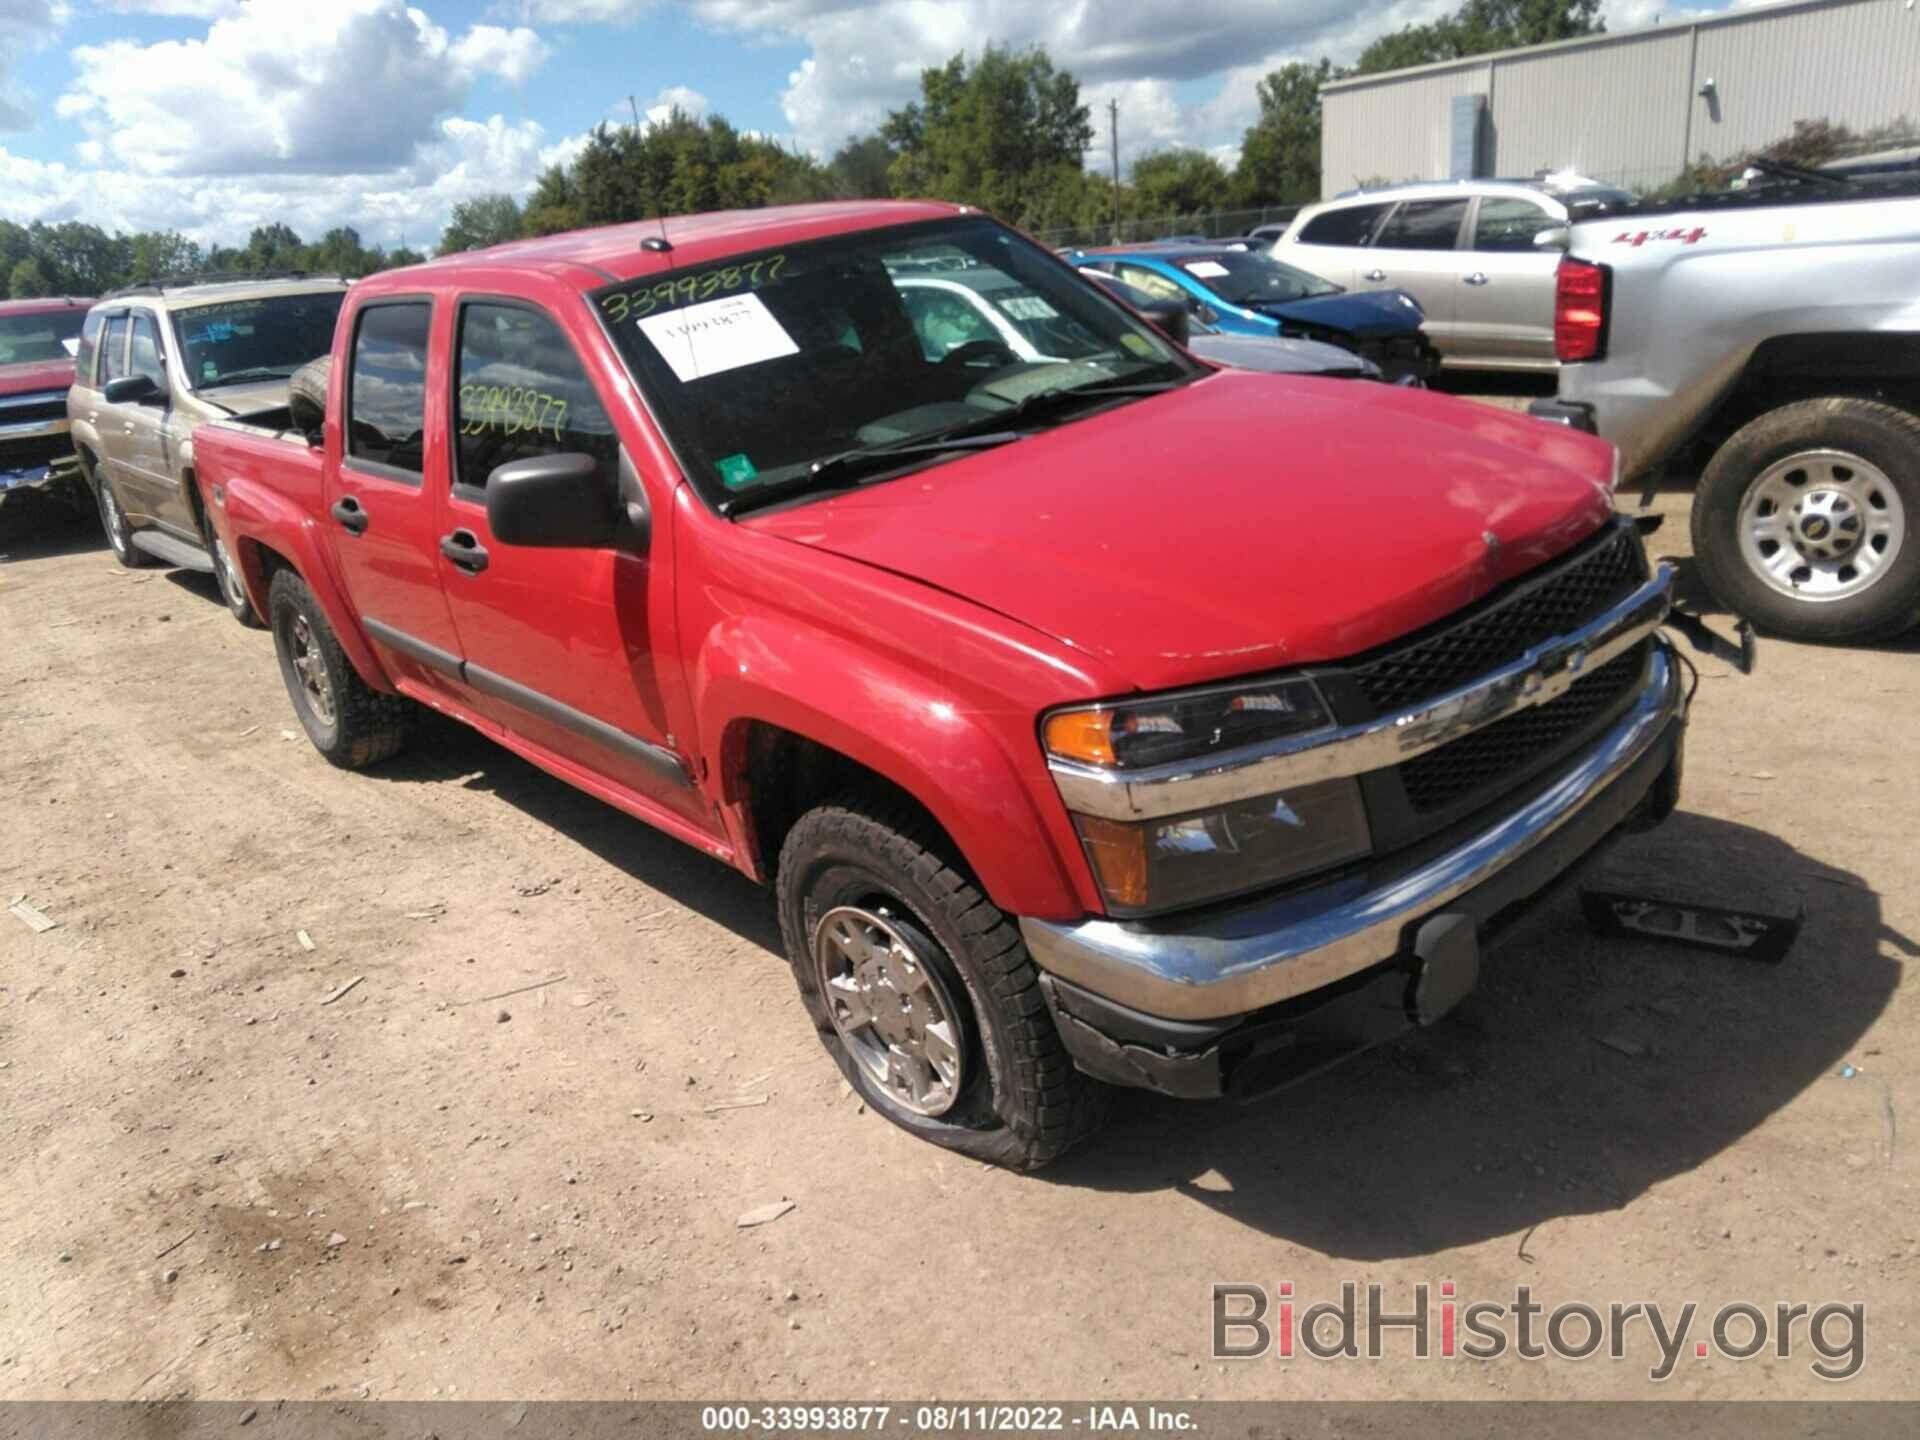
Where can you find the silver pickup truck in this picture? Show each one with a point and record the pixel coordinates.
(1768, 341)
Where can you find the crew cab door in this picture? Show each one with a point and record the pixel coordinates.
(561, 643)
(383, 499)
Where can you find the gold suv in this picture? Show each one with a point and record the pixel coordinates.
(156, 360)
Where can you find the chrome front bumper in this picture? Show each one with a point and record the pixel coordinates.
(1259, 955)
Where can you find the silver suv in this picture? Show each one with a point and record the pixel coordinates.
(156, 360)
(1479, 256)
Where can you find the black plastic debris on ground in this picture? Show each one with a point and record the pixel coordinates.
(1743, 934)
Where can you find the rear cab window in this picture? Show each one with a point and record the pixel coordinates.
(387, 389)
(521, 392)
(1347, 225)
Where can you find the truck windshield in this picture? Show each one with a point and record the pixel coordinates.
(241, 342)
(1250, 277)
(51, 335)
(761, 365)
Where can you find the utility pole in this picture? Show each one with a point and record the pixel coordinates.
(635, 106)
(1113, 127)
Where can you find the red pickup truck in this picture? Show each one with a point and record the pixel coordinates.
(1105, 719)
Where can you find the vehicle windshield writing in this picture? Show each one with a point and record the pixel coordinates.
(769, 364)
(241, 341)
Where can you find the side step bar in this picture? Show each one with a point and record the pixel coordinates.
(177, 553)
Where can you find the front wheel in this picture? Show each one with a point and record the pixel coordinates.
(119, 530)
(922, 989)
(1802, 518)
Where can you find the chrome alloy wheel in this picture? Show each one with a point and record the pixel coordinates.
(311, 667)
(116, 522)
(1821, 525)
(890, 1008)
(231, 589)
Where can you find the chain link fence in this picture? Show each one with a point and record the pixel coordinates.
(1207, 224)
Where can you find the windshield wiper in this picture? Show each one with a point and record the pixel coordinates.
(838, 471)
(241, 377)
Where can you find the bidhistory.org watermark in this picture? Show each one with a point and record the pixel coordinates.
(1251, 1324)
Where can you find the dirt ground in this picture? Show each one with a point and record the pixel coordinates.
(217, 1184)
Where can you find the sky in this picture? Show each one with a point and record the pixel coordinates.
(214, 116)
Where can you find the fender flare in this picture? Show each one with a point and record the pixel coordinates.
(262, 521)
(887, 718)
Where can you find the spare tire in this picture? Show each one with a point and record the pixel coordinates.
(307, 394)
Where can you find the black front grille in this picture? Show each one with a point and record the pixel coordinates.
(1506, 625)
(25, 408)
(1504, 751)
(39, 450)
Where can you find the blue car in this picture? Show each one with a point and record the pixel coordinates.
(1241, 291)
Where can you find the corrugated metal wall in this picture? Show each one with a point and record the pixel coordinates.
(1625, 108)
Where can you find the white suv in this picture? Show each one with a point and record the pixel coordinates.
(1479, 256)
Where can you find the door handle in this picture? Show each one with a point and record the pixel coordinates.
(464, 550)
(1477, 278)
(352, 518)
(1374, 275)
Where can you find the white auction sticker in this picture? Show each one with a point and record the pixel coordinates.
(1028, 307)
(1208, 269)
(718, 335)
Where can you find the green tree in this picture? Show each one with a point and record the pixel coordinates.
(1178, 182)
(274, 247)
(1280, 153)
(482, 221)
(554, 205)
(1480, 26)
(1002, 133)
(28, 281)
(859, 168)
(153, 253)
(79, 259)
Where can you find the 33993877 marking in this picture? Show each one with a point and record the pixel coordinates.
(680, 290)
(819, 1418)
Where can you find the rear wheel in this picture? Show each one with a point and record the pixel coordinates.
(350, 723)
(1802, 520)
(922, 989)
(232, 590)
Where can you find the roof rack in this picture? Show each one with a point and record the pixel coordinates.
(160, 285)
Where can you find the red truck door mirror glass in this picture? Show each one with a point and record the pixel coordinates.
(387, 393)
(552, 500)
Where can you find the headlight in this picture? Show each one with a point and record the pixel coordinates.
(1133, 734)
(1167, 862)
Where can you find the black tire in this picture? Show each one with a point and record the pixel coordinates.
(1888, 439)
(350, 723)
(119, 529)
(1020, 1102)
(307, 394)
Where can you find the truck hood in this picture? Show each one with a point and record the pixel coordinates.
(29, 376)
(1241, 523)
(1366, 314)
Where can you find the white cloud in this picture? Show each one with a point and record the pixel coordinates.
(328, 86)
(25, 27)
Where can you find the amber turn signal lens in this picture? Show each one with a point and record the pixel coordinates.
(1118, 853)
(1084, 735)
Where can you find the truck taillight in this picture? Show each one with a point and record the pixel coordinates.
(1579, 309)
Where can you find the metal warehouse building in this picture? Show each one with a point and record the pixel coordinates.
(1631, 108)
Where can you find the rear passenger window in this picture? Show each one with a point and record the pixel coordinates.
(1423, 225)
(1507, 222)
(116, 365)
(520, 391)
(146, 352)
(1350, 225)
(89, 346)
(387, 399)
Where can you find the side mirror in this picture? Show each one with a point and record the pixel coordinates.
(1169, 317)
(131, 390)
(563, 500)
(1553, 237)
